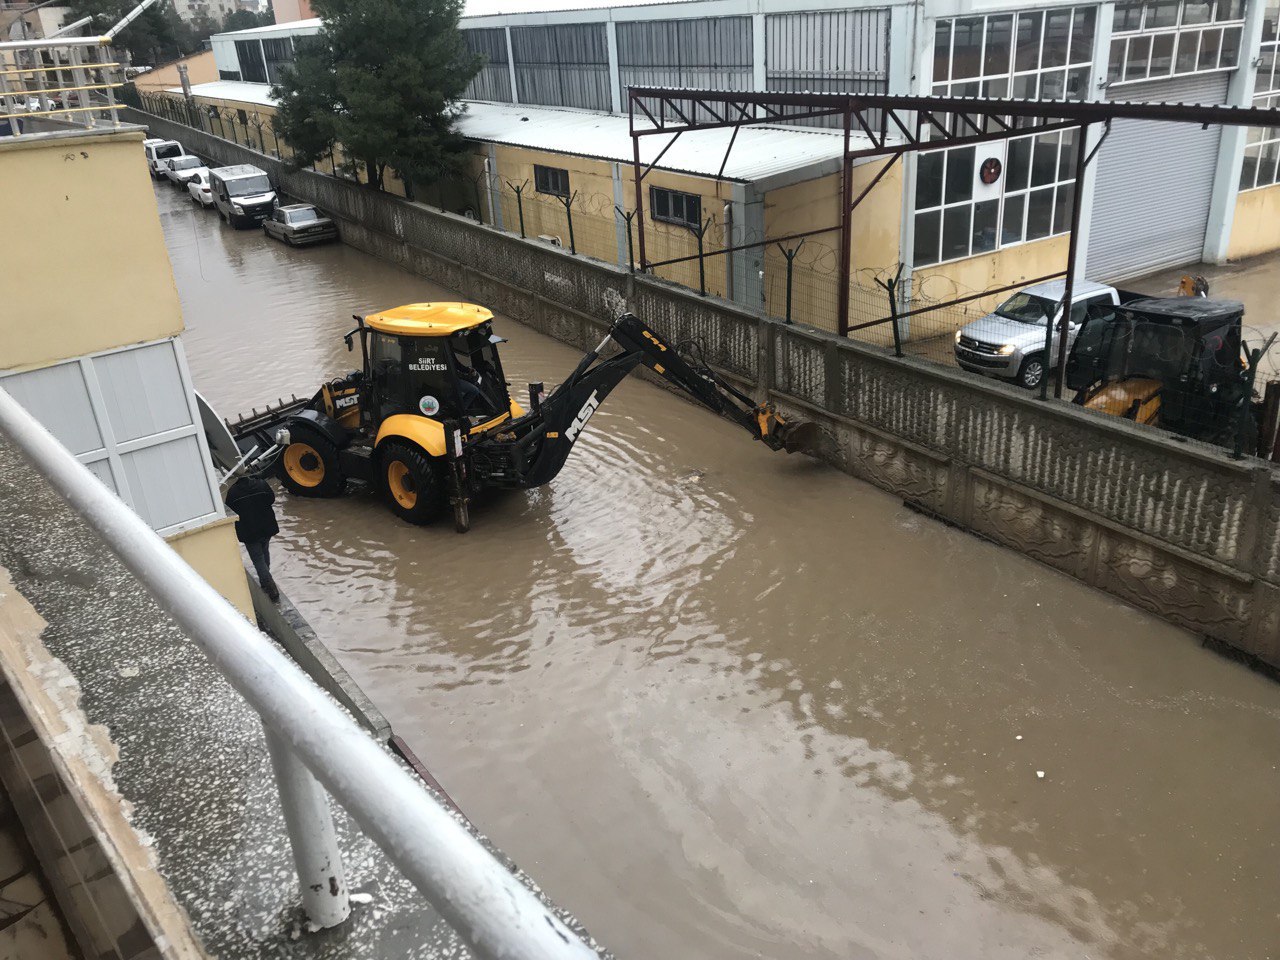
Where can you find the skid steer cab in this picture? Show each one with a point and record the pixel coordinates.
(428, 420)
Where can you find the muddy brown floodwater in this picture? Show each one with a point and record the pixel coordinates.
(723, 703)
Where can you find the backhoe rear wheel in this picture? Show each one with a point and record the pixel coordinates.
(309, 466)
(414, 484)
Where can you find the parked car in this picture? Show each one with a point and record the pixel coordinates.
(181, 169)
(242, 194)
(298, 224)
(160, 151)
(198, 187)
(1009, 342)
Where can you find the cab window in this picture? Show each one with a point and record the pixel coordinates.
(386, 369)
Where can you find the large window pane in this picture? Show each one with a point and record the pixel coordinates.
(959, 175)
(942, 50)
(928, 234)
(1053, 85)
(1078, 84)
(1128, 16)
(1163, 13)
(1028, 53)
(1024, 86)
(1044, 163)
(1135, 64)
(1011, 229)
(1232, 10)
(1018, 164)
(1082, 26)
(1115, 65)
(1040, 214)
(1230, 47)
(1067, 155)
(955, 231)
(998, 89)
(929, 180)
(999, 40)
(1062, 209)
(1210, 40)
(1057, 37)
(985, 217)
(966, 50)
(1162, 54)
(1197, 11)
(1185, 59)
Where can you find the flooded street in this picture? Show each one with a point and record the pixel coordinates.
(722, 703)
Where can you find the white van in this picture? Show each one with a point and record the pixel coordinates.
(242, 194)
(158, 151)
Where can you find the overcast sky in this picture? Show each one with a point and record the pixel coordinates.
(477, 7)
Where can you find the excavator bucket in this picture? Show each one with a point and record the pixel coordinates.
(793, 436)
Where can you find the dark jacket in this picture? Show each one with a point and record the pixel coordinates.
(251, 499)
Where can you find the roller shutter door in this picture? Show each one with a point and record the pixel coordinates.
(1155, 184)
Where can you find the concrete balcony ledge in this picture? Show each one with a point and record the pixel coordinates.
(142, 776)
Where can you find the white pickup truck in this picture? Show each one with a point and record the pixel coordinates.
(1009, 342)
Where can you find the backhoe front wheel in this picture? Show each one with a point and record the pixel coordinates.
(414, 484)
(309, 467)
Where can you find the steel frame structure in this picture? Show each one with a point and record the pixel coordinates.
(894, 126)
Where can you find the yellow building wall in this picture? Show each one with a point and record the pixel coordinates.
(874, 247)
(201, 68)
(1256, 227)
(1011, 265)
(214, 553)
(65, 202)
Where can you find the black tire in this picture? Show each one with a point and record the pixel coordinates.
(309, 466)
(413, 483)
(1032, 371)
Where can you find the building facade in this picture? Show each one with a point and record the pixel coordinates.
(1157, 195)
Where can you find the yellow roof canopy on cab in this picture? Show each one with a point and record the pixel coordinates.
(428, 319)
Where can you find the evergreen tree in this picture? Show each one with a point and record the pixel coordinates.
(150, 39)
(381, 82)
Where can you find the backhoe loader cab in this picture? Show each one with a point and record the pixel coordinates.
(428, 420)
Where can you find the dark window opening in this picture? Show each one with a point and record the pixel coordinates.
(551, 180)
(671, 206)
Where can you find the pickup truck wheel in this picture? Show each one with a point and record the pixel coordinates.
(1032, 371)
(414, 484)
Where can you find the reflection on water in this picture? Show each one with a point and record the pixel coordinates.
(724, 704)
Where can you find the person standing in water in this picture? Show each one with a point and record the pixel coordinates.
(252, 498)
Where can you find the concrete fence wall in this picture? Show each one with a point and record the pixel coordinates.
(1175, 527)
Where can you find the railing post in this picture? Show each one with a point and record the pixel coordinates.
(311, 835)
(568, 215)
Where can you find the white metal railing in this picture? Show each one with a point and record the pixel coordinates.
(311, 739)
(62, 78)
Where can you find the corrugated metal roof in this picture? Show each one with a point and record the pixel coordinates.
(759, 152)
(293, 27)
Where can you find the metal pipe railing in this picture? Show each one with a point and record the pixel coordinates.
(496, 915)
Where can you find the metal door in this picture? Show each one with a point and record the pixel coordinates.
(1155, 184)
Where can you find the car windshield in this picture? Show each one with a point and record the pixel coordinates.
(185, 163)
(1025, 308)
(302, 216)
(247, 186)
(168, 150)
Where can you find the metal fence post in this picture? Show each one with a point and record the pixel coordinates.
(519, 191)
(628, 217)
(568, 215)
(791, 256)
(311, 835)
(891, 287)
(700, 232)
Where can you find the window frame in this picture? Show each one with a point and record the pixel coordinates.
(543, 177)
(1182, 32)
(669, 196)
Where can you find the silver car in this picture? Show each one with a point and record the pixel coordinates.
(1009, 342)
(298, 224)
(181, 169)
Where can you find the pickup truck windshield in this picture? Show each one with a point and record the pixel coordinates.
(248, 186)
(168, 150)
(1025, 308)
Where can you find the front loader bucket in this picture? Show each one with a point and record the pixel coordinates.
(799, 436)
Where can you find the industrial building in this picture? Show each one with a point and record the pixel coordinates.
(548, 115)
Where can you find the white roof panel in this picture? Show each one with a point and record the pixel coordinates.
(758, 153)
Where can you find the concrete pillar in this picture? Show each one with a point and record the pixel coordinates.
(748, 212)
(759, 80)
(910, 72)
(1101, 56)
(615, 80)
(511, 66)
(620, 223)
(1226, 175)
